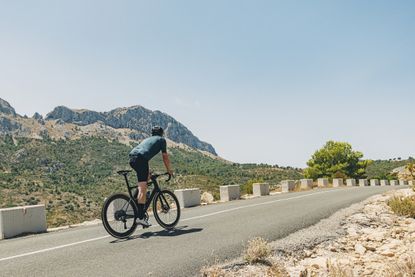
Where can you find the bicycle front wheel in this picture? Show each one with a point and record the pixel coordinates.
(166, 209)
(118, 215)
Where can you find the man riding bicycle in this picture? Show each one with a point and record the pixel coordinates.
(139, 158)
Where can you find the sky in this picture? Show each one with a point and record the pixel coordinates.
(262, 81)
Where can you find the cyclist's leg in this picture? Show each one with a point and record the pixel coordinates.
(140, 165)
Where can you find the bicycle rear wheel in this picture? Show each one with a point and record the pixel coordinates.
(166, 209)
(118, 215)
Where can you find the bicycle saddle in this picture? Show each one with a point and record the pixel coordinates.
(123, 172)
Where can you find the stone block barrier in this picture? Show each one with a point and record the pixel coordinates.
(287, 185)
(394, 183)
(188, 197)
(374, 182)
(337, 182)
(384, 182)
(403, 182)
(351, 182)
(229, 193)
(322, 182)
(21, 220)
(363, 182)
(260, 189)
(306, 183)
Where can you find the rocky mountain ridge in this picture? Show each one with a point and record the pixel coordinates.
(135, 122)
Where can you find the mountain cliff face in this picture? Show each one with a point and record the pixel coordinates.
(6, 108)
(135, 118)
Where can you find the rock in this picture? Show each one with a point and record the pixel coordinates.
(360, 249)
(6, 108)
(352, 231)
(377, 236)
(319, 263)
(308, 253)
(207, 197)
(387, 253)
(8, 126)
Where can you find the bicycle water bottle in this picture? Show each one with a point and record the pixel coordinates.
(147, 195)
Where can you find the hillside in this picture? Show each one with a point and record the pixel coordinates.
(384, 169)
(72, 177)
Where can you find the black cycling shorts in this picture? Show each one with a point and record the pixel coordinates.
(140, 165)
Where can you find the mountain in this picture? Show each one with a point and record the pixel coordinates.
(136, 118)
(135, 123)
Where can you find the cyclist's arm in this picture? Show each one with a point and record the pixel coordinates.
(166, 161)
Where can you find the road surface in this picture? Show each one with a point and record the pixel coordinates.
(204, 234)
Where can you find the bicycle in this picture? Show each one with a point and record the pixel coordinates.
(120, 210)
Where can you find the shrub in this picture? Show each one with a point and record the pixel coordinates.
(404, 206)
(338, 270)
(257, 250)
(402, 269)
(277, 270)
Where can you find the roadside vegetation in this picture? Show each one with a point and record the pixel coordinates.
(336, 160)
(72, 177)
(403, 206)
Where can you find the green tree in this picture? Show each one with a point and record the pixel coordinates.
(336, 160)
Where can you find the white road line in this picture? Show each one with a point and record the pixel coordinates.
(52, 248)
(186, 219)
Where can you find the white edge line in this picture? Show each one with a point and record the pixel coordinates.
(186, 219)
(52, 248)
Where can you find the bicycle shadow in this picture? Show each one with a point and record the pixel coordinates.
(178, 231)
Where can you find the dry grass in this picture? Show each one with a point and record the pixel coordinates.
(337, 270)
(403, 206)
(402, 269)
(277, 270)
(257, 250)
(213, 271)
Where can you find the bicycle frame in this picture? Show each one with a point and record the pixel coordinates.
(153, 193)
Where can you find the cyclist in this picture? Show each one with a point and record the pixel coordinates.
(139, 158)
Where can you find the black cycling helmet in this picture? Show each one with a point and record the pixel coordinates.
(157, 131)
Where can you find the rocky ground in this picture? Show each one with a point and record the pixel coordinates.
(366, 239)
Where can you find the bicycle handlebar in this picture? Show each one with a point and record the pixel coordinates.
(162, 174)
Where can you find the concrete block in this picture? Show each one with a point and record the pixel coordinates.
(374, 182)
(228, 193)
(394, 182)
(337, 182)
(260, 189)
(363, 182)
(323, 182)
(306, 183)
(287, 185)
(351, 182)
(21, 220)
(384, 182)
(403, 182)
(411, 183)
(188, 197)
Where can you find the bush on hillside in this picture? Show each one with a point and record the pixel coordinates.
(404, 206)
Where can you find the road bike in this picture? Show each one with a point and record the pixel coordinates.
(120, 211)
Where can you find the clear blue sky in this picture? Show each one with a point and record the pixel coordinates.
(263, 81)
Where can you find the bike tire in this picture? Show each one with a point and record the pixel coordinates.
(174, 206)
(117, 214)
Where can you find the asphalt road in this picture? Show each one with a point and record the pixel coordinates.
(204, 234)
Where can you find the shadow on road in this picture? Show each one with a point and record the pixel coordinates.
(182, 230)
